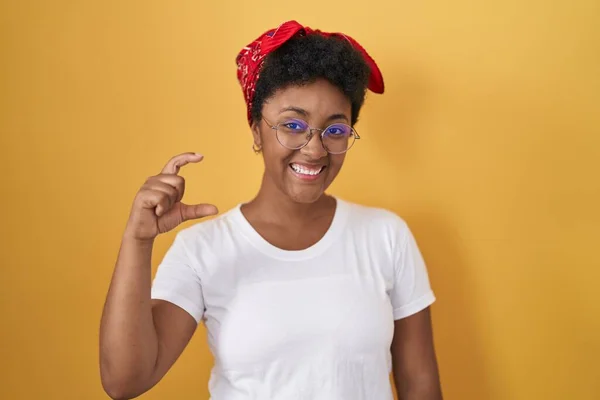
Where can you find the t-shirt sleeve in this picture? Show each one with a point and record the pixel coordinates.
(178, 282)
(411, 291)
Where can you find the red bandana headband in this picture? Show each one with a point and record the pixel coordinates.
(250, 59)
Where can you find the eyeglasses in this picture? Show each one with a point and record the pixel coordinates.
(294, 134)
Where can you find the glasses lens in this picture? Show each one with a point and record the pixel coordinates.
(292, 134)
(338, 138)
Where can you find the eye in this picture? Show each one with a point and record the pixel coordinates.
(294, 126)
(338, 130)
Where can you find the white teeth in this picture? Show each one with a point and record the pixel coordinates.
(306, 171)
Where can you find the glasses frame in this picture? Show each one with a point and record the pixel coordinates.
(309, 135)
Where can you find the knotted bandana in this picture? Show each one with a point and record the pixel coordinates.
(250, 59)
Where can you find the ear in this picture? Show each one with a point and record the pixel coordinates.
(255, 127)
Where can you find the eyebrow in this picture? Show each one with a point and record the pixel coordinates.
(337, 116)
(305, 113)
(297, 110)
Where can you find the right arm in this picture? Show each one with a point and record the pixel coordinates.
(141, 338)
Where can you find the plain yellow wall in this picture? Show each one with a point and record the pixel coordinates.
(487, 142)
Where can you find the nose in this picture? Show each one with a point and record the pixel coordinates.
(314, 148)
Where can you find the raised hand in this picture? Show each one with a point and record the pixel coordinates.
(157, 207)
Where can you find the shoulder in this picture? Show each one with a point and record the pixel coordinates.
(376, 224)
(214, 230)
(374, 217)
(205, 243)
(381, 230)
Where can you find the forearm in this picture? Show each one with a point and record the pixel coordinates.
(421, 394)
(415, 367)
(128, 340)
(426, 388)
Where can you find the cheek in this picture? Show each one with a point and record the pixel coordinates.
(276, 156)
(335, 165)
(336, 161)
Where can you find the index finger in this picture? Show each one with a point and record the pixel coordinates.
(179, 161)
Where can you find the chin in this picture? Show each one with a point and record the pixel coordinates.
(304, 190)
(305, 196)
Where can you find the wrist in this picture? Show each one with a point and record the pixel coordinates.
(131, 239)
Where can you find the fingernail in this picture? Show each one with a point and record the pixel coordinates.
(199, 155)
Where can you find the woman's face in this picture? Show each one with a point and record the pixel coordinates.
(304, 174)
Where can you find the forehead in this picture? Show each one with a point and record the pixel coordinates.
(319, 98)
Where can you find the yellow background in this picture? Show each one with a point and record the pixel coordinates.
(487, 142)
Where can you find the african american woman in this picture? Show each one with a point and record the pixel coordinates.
(304, 295)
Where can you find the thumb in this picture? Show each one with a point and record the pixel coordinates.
(197, 211)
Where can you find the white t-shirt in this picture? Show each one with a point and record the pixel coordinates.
(314, 324)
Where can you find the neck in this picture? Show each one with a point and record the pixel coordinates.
(274, 206)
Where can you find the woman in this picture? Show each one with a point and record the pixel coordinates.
(302, 293)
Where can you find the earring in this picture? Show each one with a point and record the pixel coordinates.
(256, 148)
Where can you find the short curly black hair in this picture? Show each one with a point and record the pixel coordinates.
(305, 58)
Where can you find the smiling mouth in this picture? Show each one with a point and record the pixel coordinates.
(308, 172)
